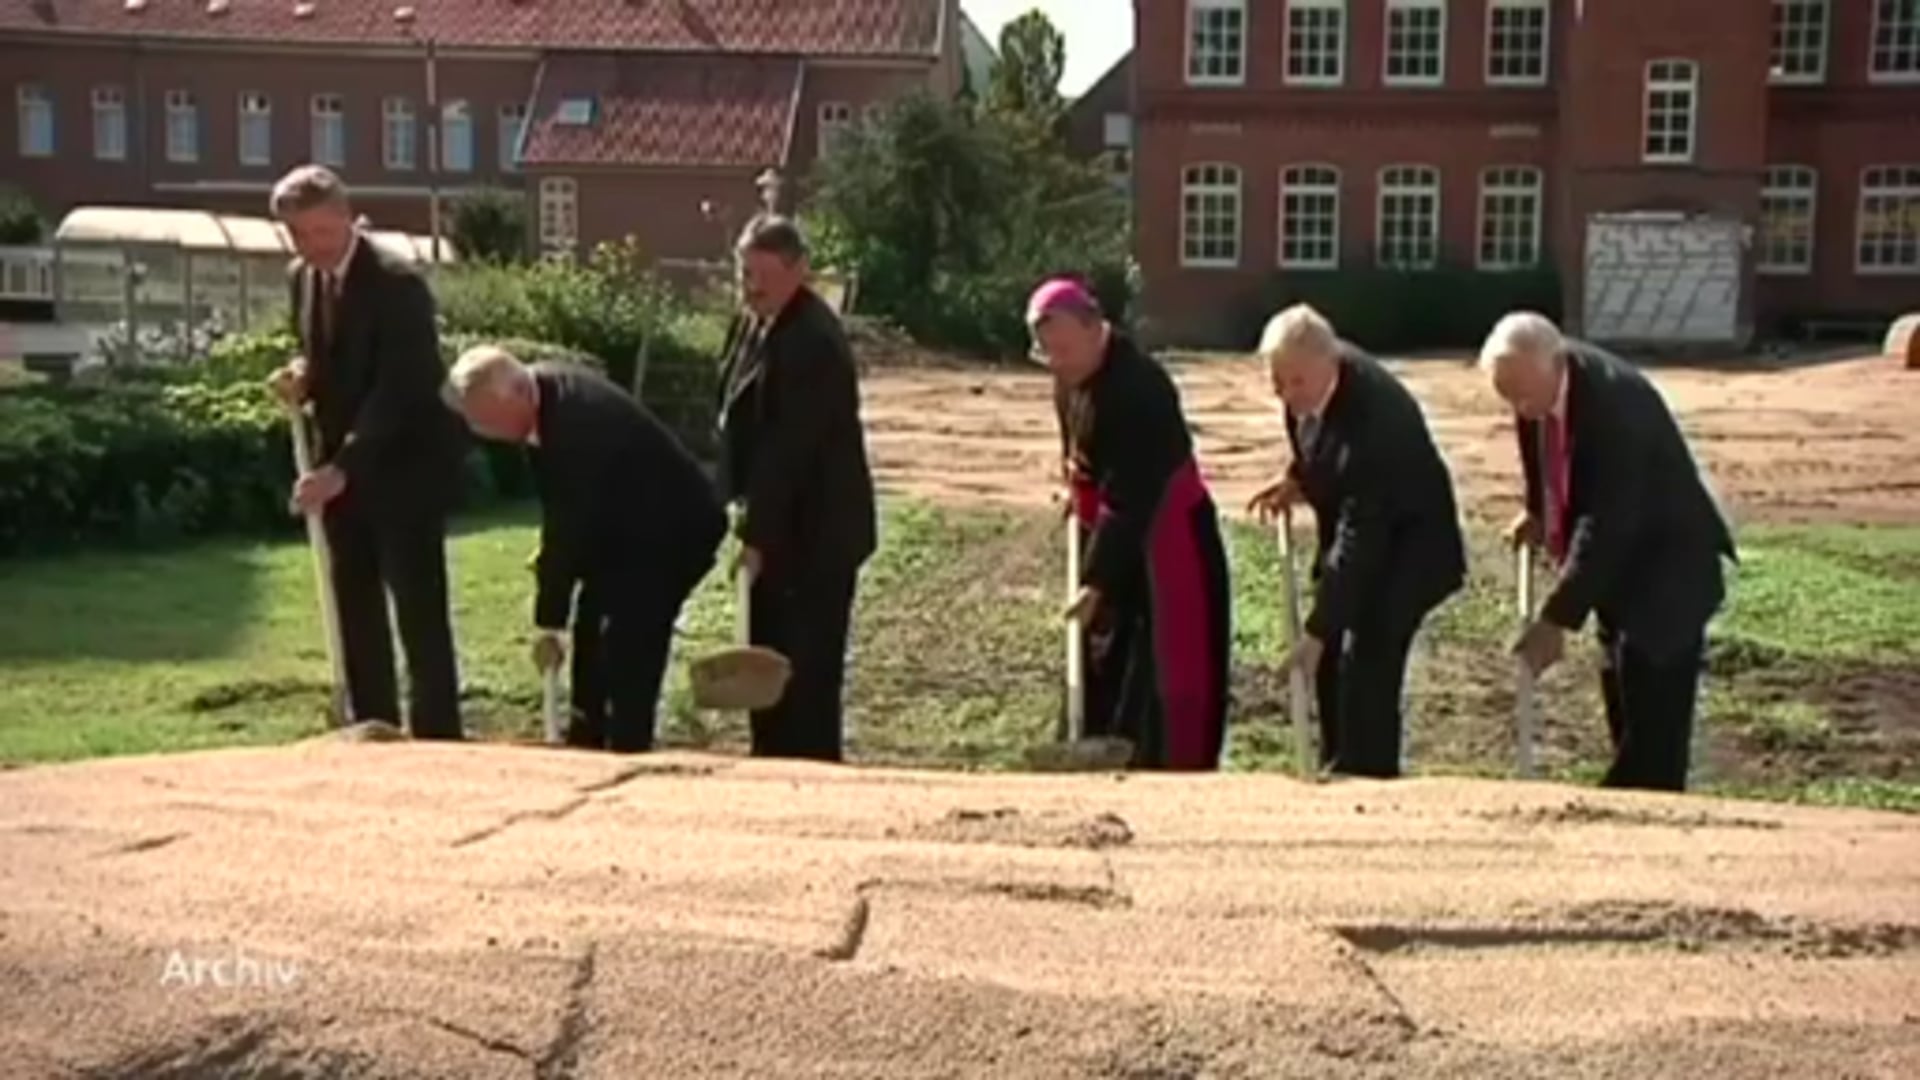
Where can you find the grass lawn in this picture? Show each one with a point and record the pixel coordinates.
(1815, 692)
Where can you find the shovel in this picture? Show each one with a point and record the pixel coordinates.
(1076, 752)
(1298, 705)
(1526, 717)
(338, 709)
(744, 677)
(550, 703)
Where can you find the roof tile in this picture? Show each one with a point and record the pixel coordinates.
(808, 27)
(671, 112)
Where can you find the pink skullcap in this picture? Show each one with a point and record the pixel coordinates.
(1060, 294)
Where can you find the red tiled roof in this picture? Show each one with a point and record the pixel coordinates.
(669, 111)
(808, 27)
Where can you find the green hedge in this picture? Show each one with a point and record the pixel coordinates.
(1385, 310)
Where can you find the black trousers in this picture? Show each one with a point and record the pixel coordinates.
(400, 551)
(1357, 690)
(806, 615)
(1650, 699)
(622, 640)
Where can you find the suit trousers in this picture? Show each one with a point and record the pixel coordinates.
(622, 641)
(805, 614)
(398, 550)
(1650, 700)
(1357, 691)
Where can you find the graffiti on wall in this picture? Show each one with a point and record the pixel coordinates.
(1659, 278)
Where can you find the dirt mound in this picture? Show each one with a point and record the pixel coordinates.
(408, 910)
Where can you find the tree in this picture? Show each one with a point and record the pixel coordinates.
(490, 225)
(20, 221)
(1026, 79)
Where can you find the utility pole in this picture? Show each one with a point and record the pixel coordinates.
(407, 17)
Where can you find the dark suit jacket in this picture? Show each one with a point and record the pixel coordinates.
(792, 442)
(622, 501)
(1645, 535)
(376, 386)
(1383, 498)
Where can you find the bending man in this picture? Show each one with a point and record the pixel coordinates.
(1615, 495)
(628, 517)
(1154, 578)
(1390, 546)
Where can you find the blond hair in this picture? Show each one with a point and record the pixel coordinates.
(1298, 328)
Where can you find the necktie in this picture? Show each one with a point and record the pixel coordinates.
(1309, 433)
(1556, 469)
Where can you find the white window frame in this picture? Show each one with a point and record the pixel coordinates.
(1196, 9)
(183, 127)
(1406, 7)
(1788, 184)
(1291, 32)
(1815, 38)
(247, 115)
(510, 122)
(559, 214)
(1494, 8)
(835, 120)
(399, 135)
(1215, 180)
(457, 150)
(1911, 54)
(1507, 182)
(1407, 181)
(1901, 184)
(327, 124)
(1316, 180)
(109, 123)
(1689, 86)
(33, 111)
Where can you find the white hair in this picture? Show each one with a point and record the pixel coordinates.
(485, 367)
(1298, 328)
(1521, 335)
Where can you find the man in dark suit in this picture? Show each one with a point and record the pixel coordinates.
(1390, 546)
(629, 518)
(1616, 497)
(389, 452)
(795, 457)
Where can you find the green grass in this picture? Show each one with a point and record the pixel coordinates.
(1814, 697)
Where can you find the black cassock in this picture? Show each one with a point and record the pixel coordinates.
(1157, 656)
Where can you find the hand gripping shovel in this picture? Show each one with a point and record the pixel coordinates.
(1526, 716)
(1298, 702)
(338, 709)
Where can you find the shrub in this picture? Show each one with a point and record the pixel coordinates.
(20, 221)
(490, 226)
(1387, 310)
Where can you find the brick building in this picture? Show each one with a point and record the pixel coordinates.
(643, 117)
(1696, 169)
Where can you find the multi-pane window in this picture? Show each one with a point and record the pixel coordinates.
(1509, 218)
(1310, 217)
(559, 214)
(1787, 196)
(109, 123)
(399, 134)
(456, 137)
(329, 136)
(1416, 51)
(1799, 41)
(1673, 90)
(1517, 42)
(1889, 220)
(1210, 216)
(1216, 41)
(1896, 39)
(256, 129)
(512, 119)
(1316, 42)
(34, 108)
(183, 127)
(836, 119)
(1409, 216)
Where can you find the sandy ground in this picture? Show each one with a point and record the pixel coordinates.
(491, 911)
(1833, 440)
